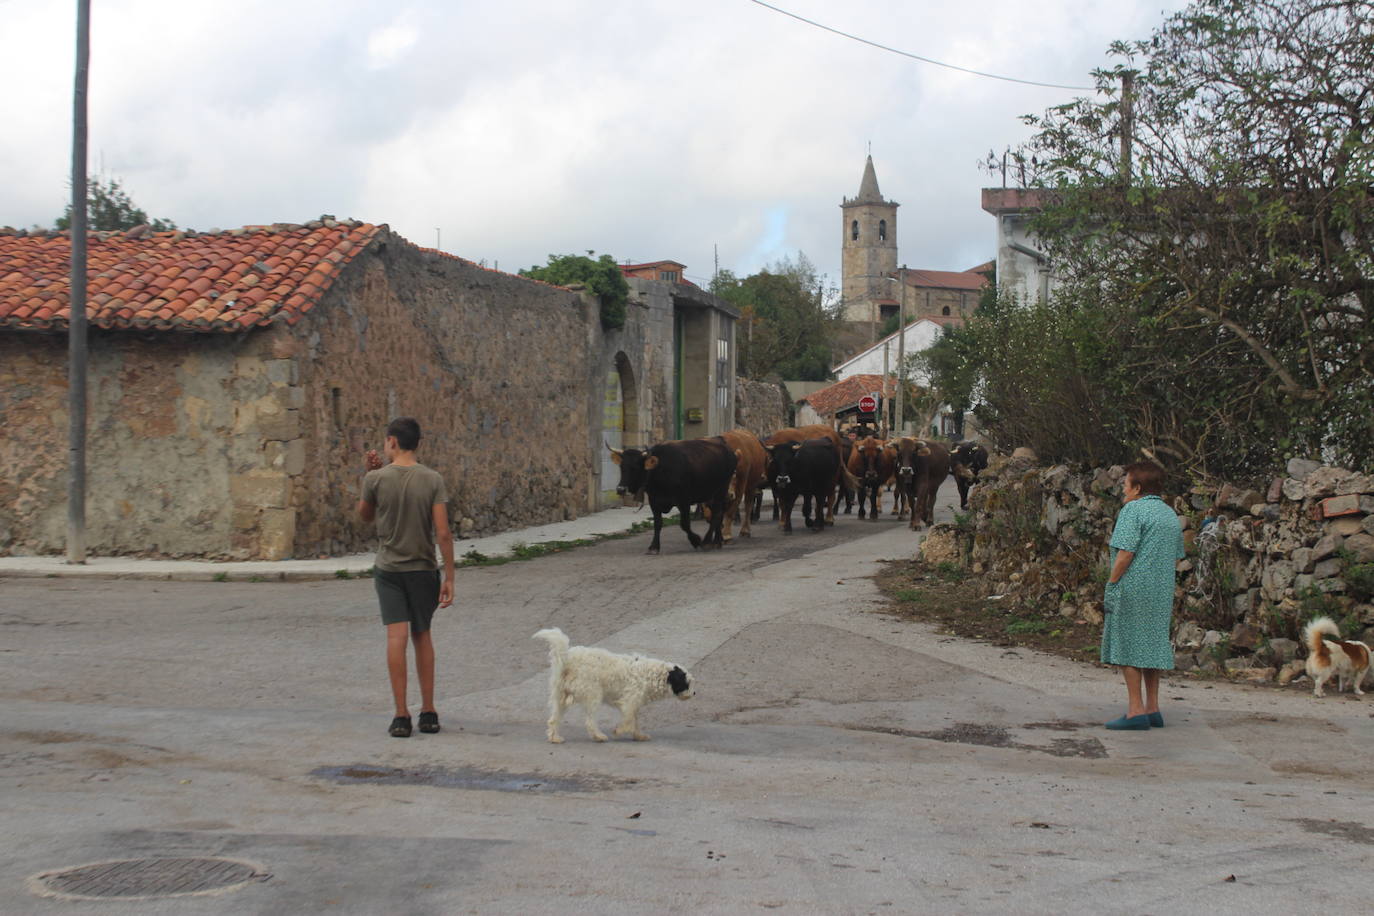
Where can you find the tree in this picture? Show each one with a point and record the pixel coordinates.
(108, 208)
(787, 320)
(1226, 252)
(602, 277)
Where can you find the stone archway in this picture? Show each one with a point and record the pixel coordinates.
(619, 421)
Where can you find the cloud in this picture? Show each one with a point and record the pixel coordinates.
(642, 128)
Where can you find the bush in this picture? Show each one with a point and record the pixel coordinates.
(602, 278)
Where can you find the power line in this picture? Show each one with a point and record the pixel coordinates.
(927, 60)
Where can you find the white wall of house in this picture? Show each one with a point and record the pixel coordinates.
(920, 335)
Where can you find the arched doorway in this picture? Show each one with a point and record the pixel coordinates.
(619, 422)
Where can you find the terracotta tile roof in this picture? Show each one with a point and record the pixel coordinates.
(843, 394)
(946, 279)
(178, 281)
(625, 268)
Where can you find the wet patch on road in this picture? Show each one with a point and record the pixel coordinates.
(466, 778)
(996, 736)
(1343, 830)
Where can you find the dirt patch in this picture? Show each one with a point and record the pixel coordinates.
(942, 596)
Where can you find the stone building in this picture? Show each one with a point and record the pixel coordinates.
(236, 379)
(874, 287)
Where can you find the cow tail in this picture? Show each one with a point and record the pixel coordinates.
(850, 481)
(558, 647)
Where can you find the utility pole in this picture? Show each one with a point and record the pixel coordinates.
(887, 401)
(76, 321)
(438, 239)
(1127, 123)
(901, 356)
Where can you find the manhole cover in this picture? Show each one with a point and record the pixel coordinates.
(134, 878)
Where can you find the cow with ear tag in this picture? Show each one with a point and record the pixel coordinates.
(806, 469)
(679, 475)
(922, 465)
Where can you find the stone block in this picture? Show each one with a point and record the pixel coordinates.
(277, 531)
(1367, 526)
(1245, 637)
(1210, 638)
(1277, 577)
(1361, 547)
(1185, 661)
(1283, 650)
(261, 489)
(1331, 586)
(1188, 635)
(1299, 468)
(1303, 581)
(295, 457)
(244, 518)
(1302, 559)
(248, 367)
(1355, 485)
(1238, 663)
(1275, 492)
(1237, 498)
(1334, 506)
(1327, 569)
(1345, 526)
(1294, 669)
(1256, 675)
(1324, 480)
(280, 424)
(1325, 547)
(1293, 489)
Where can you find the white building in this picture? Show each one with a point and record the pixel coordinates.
(1023, 269)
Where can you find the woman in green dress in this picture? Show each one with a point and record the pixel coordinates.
(1139, 602)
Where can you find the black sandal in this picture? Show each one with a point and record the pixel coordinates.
(400, 727)
(429, 722)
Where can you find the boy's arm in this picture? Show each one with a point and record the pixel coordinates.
(367, 510)
(444, 536)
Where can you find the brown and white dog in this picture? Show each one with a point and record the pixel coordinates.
(1347, 659)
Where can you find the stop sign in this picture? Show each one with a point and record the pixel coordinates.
(867, 404)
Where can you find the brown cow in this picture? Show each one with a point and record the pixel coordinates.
(817, 431)
(922, 465)
(872, 463)
(750, 474)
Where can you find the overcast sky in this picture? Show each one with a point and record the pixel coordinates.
(646, 129)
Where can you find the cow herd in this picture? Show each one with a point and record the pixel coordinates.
(725, 475)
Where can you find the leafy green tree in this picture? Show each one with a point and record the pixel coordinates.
(787, 320)
(602, 277)
(109, 208)
(1218, 285)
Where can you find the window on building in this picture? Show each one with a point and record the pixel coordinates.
(887, 311)
(668, 276)
(723, 373)
(854, 230)
(882, 230)
(944, 311)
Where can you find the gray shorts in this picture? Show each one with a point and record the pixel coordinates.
(408, 597)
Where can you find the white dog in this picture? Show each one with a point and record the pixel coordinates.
(589, 677)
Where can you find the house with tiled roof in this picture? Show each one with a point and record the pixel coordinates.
(237, 378)
(840, 400)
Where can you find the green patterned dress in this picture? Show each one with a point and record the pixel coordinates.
(1136, 629)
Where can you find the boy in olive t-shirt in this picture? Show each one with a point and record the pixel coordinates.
(410, 505)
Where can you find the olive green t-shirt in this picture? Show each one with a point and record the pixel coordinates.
(405, 497)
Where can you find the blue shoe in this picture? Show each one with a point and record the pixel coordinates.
(1156, 720)
(1140, 723)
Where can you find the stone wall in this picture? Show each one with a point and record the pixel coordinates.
(494, 367)
(1259, 564)
(173, 443)
(761, 407)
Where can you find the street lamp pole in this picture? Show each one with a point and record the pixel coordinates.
(901, 351)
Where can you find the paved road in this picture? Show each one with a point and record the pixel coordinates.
(836, 760)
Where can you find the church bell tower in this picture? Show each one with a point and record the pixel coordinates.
(869, 252)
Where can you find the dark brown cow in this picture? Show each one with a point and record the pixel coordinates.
(872, 464)
(922, 465)
(816, 431)
(680, 474)
(965, 460)
(750, 475)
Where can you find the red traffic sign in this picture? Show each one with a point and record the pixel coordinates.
(867, 404)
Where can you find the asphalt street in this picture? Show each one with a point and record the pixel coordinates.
(835, 759)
